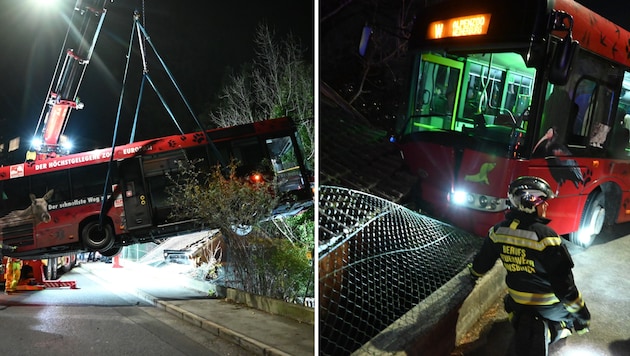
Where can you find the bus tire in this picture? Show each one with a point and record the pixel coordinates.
(592, 221)
(97, 238)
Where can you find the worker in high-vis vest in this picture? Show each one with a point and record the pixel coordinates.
(12, 274)
(539, 267)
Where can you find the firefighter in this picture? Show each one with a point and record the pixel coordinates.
(5, 249)
(12, 274)
(539, 267)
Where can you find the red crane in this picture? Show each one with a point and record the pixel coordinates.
(78, 46)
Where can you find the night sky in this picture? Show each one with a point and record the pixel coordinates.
(198, 40)
(616, 11)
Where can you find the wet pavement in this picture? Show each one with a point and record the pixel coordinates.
(257, 331)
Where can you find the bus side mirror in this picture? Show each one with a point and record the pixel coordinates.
(561, 60)
(562, 57)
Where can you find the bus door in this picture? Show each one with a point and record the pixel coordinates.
(135, 198)
(156, 170)
(437, 93)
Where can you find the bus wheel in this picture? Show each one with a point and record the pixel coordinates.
(592, 221)
(111, 252)
(97, 238)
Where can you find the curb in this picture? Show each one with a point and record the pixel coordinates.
(237, 338)
(484, 295)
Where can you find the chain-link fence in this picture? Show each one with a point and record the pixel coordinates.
(377, 260)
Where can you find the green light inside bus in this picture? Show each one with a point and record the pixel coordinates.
(466, 92)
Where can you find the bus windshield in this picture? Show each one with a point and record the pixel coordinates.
(483, 94)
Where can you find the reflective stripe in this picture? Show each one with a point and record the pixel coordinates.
(576, 305)
(474, 273)
(533, 298)
(523, 238)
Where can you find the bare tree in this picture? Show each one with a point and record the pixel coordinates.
(279, 83)
(236, 102)
(370, 78)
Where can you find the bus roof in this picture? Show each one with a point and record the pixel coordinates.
(596, 33)
(270, 127)
(514, 25)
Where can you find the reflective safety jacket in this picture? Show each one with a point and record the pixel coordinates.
(538, 263)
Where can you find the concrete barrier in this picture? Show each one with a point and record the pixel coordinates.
(273, 306)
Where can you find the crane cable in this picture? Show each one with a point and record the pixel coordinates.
(106, 203)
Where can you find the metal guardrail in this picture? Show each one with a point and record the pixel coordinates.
(377, 260)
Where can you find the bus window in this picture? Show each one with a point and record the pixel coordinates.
(249, 154)
(15, 194)
(584, 93)
(485, 88)
(518, 93)
(285, 164)
(583, 111)
(486, 95)
(623, 110)
(599, 119)
(559, 111)
(89, 181)
(3, 201)
(158, 192)
(163, 163)
(56, 180)
(499, 88)
(204, 157)
(587, 112)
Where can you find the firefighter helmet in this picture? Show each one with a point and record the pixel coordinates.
(526, 193)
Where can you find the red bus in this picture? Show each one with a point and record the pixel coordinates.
(502, 89)
(140, 212)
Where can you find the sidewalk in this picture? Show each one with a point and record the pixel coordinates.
(254, 330)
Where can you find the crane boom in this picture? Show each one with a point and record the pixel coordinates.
(77, 49)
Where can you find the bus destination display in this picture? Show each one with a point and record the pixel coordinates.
(459, 27)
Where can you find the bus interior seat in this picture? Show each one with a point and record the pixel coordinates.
(479, 120)
(440, 104)
(504, 120)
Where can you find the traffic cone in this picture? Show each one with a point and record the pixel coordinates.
(117, 262)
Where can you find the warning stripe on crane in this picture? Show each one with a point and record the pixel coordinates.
(60, 284)
(25, 287)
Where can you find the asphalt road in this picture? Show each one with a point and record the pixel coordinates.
(98, 319)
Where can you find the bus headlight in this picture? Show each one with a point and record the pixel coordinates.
(459, 197)
(477, 201)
